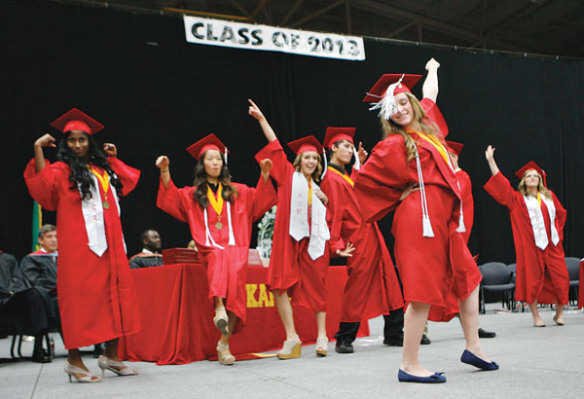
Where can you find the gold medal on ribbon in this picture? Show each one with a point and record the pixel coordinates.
(105, 204)
(219, 225)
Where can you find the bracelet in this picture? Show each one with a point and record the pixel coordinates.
(164, 170)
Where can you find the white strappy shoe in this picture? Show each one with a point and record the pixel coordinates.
(114, 366)
(322, 347)
(79, 374)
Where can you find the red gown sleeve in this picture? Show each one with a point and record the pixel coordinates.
(168, 200)
(433, 113)
(42, 186)
(561, 215)
(382, 179)
(500, 189)
(128, 176)
(264, 197)
(281, 168)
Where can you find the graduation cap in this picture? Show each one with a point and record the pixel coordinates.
(399, 82)
(305, 144)
(455, 147)
(210, 142)
(75, 119)
(334, 134)
(532, 166)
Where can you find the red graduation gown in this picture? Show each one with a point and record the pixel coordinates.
(430, 268)
(95, 293)
(581, 288)
(373, 287)
(291, 268)
(542, 275)
(468, 211)
(226, 268)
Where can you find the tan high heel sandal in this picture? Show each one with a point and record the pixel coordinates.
(79, 374)
(291, 349)
(221, 321)
(224, 354)
(114, 366)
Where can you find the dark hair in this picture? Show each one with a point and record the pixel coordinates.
(46, 228)
(80, 176)
(200, 182)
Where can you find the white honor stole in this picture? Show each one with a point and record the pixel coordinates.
(92, 209)
(209, 238)
(299, 228)
(537, 222)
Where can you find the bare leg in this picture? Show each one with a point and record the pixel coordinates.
(469, 319)
(559, 316)
(232, 321)
(321, 324)
(74, 358)
(111, 349)
(537, 320)
(414, 322)
(286, 315)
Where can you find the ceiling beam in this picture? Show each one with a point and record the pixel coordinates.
(428, 23)
(261, 5)
(240, 8)
(348, 16)
(316, 14)
(292, 11)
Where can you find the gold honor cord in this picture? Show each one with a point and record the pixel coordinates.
(343, 175)
(310, 193)
(104, 181)
(538, 198)
(436, 143)
(216, 203)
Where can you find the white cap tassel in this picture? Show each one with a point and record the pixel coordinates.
(325, 163)
(225, 154)
(357, 164)
(461, 228)
(387, 106)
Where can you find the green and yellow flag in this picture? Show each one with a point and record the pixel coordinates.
(37, 222)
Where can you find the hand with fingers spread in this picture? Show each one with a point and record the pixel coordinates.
(347, 252)
(362, 153)
(110, 150)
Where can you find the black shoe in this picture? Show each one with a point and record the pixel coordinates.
(41, 356)
(486, 334)
(394, 341)
(425, 340)
(344, 347)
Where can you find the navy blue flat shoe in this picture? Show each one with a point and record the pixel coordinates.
(435, 378)
(469, 358)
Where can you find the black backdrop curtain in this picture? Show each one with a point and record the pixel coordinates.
(156, 94)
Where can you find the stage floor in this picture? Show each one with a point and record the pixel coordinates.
(535, 362)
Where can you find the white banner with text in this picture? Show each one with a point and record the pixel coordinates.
(216, 32)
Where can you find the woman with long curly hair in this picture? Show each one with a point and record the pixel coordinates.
(300, 251)
(537, 219)
(220, 214)
(411, 172)
(94, 287)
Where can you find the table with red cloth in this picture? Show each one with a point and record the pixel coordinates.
(176, 316)
(581, 286)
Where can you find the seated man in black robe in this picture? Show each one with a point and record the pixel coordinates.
(22, 308)
(40, 271)
(150, 255)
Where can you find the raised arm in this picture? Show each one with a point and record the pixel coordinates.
(498, 186)
(168, 198)
(490, 156)
(255, 112)
(430, 86)
(128, 176)
(265, 196)
(45, 140)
